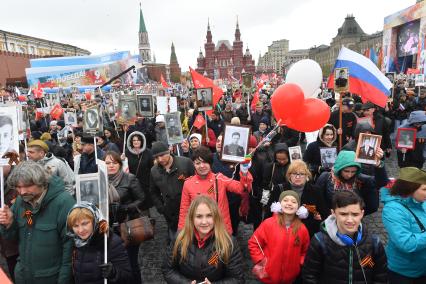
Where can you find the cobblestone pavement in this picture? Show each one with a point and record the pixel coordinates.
(151, 252)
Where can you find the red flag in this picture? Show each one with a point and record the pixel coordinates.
(255, 100)
(413, 71)
(38, 92)
(199, 121)
(202, 82)
(163, 82)
(3, 278)
(56, 112)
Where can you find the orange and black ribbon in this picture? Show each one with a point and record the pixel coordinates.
(367, 261)
(214, 259)
(28, 214)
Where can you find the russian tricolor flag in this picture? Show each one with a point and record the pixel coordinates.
(365, 79)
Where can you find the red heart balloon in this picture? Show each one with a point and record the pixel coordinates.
(314, 114)
(286, 101)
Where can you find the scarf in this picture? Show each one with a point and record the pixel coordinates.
(341, 186)
(202, 241)
(115, 179)
(298, 189)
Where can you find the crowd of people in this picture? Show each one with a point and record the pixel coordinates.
(306, 212)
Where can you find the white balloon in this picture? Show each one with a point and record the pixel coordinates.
(307, 74)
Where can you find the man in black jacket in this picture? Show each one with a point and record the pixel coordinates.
(344, 251)
(166, 182)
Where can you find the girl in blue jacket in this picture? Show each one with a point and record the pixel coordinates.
(404, 217)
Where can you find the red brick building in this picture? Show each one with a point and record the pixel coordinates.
(12, 68)
(175, 71)
(224, 60)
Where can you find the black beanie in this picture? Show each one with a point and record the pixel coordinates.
(159, 148)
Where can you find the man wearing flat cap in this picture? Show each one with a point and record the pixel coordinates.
(38, 151)
(86, 162)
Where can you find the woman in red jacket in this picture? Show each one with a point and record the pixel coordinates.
(205, 182)
(279, 245)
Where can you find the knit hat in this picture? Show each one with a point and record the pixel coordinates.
(412, 174)
(235, 120)
(264, 120)
(39, 143)
(348, 102)
(46, 136)
(197, 136)
(159, 148)
(252, 141)
(61, 123)
(36, 134)
(86, 139)
(291, 193)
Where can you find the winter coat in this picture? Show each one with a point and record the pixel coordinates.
(330, 261)
(140, 165)
(312, 155)
(255, 119)
(243, 114)
(131, 197)
(87, 164)
(110, 146)
(284, 254)
(195, 186)
(348, 124)
(161, 135)
(145, 126)
(287, 135)
(166, 188)
(44, 248)
(60, 168)
(365, 186)
(406, 248)
(403, 112)
(273, 178)
(227, 115)
(217, 126)
(89, 254)
(197, 267)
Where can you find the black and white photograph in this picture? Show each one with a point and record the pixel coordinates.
(235, 142)
(127, 109)
(205, 99)
(70, 118)
(87, 188)
(103, 188)
(390, 76)
(91, 122)
(173, 128)
(247, 80)
(145, 105)
(367, 148)
(167, 104)
(328, 157)
(406, 138)
(341, 80)
(420, 80)
(295, 153)
(9, 138)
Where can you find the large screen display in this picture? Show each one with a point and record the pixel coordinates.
(408, 39)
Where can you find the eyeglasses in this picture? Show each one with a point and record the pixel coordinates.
(297, 175)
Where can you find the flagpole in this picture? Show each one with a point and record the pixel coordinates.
(207, 130)
(340, 121)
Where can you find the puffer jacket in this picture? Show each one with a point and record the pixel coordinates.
(197, 267)
(330, 261)
(89, 254)
(166, 188)
(406, 248)
(60, 168)
(195, 185)
(140, 165)
(365, 186)
(284, 255)
(131, 198)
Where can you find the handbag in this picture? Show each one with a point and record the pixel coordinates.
(259, 269)
(136, 231)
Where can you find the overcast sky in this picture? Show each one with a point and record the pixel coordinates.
(107, 25)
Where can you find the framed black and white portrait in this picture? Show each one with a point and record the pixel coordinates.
(420, 80)
(70, 118)
(391, 76)
(247, 80)
(9, 129)
(173, 128)
(91, 119)
(87, 188)
(328, 157)
(295, 153)
(145, 105)
(367, 148)
(341, 80)
(205, 99)
(406, 138)
(235, 143)
(127, 109)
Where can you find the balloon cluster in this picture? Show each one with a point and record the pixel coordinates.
(293, 102)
